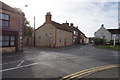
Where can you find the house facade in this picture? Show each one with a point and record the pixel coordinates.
(53, 34)
(103, 33)
(76, 34)
(86, 40)
(108, 34)
(115, 34)
(11, 26)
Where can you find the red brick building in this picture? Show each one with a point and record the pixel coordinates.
(78, 36)
(11, 26)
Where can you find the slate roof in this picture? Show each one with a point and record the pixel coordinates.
(76, 29)
(114, 31)
(60, 26)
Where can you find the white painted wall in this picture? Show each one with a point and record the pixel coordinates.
(117, 37)
(103, 32)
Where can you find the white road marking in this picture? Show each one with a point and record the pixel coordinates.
(23, 66)
(22, 60)
(20, 63)
(18, 67)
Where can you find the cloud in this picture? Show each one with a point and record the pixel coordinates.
(88, 15)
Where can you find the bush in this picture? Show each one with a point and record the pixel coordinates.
(99, 41)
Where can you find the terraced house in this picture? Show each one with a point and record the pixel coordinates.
(78, 36)
(11, 26)
(53, 34)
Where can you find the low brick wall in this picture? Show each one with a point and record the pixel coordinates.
(7, 49)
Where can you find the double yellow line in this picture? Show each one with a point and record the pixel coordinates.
(86, 72)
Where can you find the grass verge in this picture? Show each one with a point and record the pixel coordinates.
(110, 47)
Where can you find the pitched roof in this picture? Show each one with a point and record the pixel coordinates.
(114, 31)
(60, 26)
(76, 29)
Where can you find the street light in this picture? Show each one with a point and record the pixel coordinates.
(33, 30)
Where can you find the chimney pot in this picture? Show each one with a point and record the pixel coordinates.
(48, 17)
(71, 24)
(102, 25)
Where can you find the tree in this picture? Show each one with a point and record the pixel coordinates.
(28, 30)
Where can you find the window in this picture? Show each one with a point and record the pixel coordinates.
(60, 32)
(60, 40)
(51, 39)
(74, 32)
(12, 41)
(4, 16)
(4, 20)
(51, 32)
(7, 41)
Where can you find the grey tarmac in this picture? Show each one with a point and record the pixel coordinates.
(55, 62)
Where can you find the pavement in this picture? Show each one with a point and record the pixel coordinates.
(55, 62)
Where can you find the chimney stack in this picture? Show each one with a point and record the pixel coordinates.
(71, 24)
(102, 25)
(48, 17)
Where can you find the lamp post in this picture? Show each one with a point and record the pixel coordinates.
(33, 30)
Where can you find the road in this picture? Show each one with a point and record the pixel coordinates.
(55, 62)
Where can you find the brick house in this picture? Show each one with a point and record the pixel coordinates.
(76, 34)
(53, 34)
(11, 26)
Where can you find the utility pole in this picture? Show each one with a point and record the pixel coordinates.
(34, 31)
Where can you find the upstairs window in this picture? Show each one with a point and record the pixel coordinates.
(4, 20)
(74, 32)
(51, 31)
(60, 32)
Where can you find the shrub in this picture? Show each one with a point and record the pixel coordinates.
(99, 41)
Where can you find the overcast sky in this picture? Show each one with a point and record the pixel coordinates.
(88, 15)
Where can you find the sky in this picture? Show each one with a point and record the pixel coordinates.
(88, 15)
